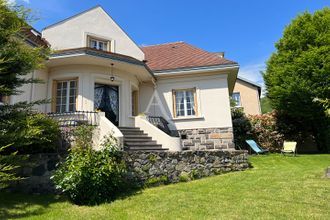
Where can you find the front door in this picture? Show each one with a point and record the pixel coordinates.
(106, 99)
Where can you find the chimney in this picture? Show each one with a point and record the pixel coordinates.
(220, 54)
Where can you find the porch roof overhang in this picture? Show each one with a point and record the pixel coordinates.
(90, 56)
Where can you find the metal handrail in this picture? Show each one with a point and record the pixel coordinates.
(162, 124)
(76, 118)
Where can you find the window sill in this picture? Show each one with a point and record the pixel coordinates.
(188, 118)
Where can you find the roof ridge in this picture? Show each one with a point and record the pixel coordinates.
(73, 16)
(152, 45)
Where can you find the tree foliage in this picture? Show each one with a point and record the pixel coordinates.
(265, 105)
(6, 169)
(90, 177)
(17, 58)
(20, 127)
(299, 72)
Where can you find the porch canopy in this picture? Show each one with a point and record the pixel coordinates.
(90, 56)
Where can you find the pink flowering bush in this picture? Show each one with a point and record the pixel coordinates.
(265, 131)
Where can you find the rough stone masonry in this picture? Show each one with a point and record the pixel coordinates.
(207, 138)
(147, 168)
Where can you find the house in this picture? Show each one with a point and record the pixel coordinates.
(247, 96)
(171, 96)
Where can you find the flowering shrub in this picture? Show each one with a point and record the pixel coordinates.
(265, 131)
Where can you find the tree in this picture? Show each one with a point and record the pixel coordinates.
(265, 105)
(17, 58)
(299, 72)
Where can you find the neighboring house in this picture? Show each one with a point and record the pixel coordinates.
(247, 96)
(177, 94)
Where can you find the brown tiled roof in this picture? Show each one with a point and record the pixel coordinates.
(34, 36)
(180, 55)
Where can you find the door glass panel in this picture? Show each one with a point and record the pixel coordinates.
(106, 99)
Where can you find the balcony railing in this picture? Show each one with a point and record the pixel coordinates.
(74, 119)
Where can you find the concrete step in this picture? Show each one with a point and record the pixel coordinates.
(137, 136)
(131, 132)
(142, 143)
(134, 140)
(129, 129)
(146, 148)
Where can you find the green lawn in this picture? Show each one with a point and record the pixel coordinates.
(276, 188)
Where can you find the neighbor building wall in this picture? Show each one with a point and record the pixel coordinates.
(73, 32)
(250, 100)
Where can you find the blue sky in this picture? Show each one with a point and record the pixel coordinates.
(245, 30)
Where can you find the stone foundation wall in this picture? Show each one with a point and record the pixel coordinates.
(36, 171)
(152, 168)
(146, 168)
(207, 138)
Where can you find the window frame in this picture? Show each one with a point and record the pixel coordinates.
(135, 102)
(98, 41)
(67, 101)
(174, 92)
(239, 103)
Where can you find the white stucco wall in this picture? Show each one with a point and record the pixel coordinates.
(73, 32)
(33, 92)
(212, 99)
(87, 77)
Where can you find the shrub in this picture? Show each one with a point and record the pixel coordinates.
(241, 127)
(30, 133)
(91, 177)
(265, 130)
(83, 136)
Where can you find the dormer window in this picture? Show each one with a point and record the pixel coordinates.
(99, 44)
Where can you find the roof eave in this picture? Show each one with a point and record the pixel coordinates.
(191, 70)
(100, 54)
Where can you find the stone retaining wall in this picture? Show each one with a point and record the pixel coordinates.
(36, 171)
(207, 138)
(147, 168)
(170, 167)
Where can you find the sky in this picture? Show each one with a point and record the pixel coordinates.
(246, 30)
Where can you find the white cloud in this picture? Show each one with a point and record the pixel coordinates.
(252, 72)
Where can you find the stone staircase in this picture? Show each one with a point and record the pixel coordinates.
(136, 140)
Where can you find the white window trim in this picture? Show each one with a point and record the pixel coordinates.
(196, 104)
(110, 41)
(67, 101)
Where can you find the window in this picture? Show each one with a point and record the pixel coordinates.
(66, 94)
(184, 102)
(98, 44)
(237, 98)
(134, 103)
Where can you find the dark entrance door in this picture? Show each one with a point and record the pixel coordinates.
(106, 99)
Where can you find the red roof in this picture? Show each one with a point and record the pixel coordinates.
(180, 55)
(34, 36)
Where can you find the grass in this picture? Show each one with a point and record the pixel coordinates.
(276, 188)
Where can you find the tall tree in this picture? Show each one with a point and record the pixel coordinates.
(298, 73)
(17, 58)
